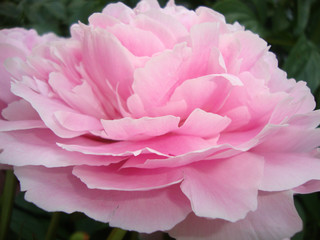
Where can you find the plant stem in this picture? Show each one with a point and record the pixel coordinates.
(117, 234)
(53, 226)
(7, 203)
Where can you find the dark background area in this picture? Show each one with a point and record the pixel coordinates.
(291, 27)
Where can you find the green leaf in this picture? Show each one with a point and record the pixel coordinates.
(235, 10)
(303, 13)
(261, 8)
(56, 9)
(28, 221)
(280, 22)
(303, 63)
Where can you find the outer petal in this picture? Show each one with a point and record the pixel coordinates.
(284, 171)
(38, 147)
(56, 189)
(168, 145)
(225, 189)
(129, 179)
(276, 218)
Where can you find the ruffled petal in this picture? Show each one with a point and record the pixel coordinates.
(276, 218)
(147, 211)
(225, 189)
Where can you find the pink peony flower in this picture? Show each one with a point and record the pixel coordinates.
(161, 119)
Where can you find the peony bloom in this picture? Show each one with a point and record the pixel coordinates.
(161, 119)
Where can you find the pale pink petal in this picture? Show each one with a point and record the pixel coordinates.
(204, 37)
(308, 120)
(38, 147)
(225, 189)
(137, 41)
(203, 124)
(147, 211)
(252, 48)
(175, 27)
(7, 51)
(20, 110)
(20, 125)
(146, 5)
(164, 146)
(103, 56)
(202, 92)
(155, 82)
(290, 139)
(77, 122)
(212, 152)
(102, 20)
(129, 128)
(46, 108)
(309, 187)
(283, 171)
(240, 117)
(119, 11)
(129, 179)
(276, 218)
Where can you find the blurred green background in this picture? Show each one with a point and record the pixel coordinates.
(291, 27)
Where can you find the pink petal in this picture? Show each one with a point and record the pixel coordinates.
(38, 147)
(103, 56)
(20, 110)
(290, 139)
(119, 11)
(77, 122)
(156, 81)
(137, 41)
(252, 48)
(7, 51)
(225, 189)
(70, 194)
(102, 20)
(79, 96)
(129, 179)
(308, 120)
(20, 125)
(284, 171)
(203, 124)
(204, 37)
(309, 187)
(129, 128)
(46, 107)
(276, 218)
(212, 152)
(202, 92)
(163, 146)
